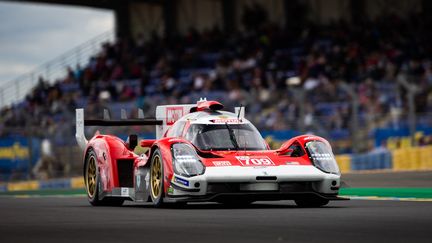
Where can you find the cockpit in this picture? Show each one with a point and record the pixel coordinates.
(225, 136)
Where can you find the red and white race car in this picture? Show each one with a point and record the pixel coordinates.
(202, 153)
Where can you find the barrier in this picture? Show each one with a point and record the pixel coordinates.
(69, 183)
(372, 161)
(23, 186)
(344, 162)
(414, 158)
(401, 159)
(425, 157)
(14, 153)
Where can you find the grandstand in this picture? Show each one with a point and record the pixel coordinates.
(361, 78)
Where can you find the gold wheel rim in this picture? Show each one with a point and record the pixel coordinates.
(91, 177)
(156, 177)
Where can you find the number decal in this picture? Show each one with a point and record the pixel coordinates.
(255, 160)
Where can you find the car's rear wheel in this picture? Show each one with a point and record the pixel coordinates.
(91, 178)
(156, 179)
(314, 202)
(92, 183)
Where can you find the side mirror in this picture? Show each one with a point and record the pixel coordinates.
(147, 143)
(284, 148)
(289, 152)
(266, 144)
(291, 148)
(132, 141)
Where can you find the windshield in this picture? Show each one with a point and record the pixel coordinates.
(223, 137)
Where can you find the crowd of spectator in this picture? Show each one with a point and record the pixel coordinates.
(285, 80)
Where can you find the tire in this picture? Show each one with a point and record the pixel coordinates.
(92, 183)
(314, 202)
(157, 179)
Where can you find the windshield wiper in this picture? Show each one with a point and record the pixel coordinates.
(232, 136)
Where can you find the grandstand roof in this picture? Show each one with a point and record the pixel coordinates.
(105, 4)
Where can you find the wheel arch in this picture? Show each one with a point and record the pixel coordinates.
(86, 154)
(164, 147)
(107, 149)
(152, 151)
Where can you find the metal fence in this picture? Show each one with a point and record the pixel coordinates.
(15, 90)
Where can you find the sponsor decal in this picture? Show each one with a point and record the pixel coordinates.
(170, 190)
(124, 192)
(138, 180)
(13, 152)
(181, 181)
(173, 114)
(310, 138)
(230, 120)
(255, 160)
(292, 163)
(147, 180)
(221, 163)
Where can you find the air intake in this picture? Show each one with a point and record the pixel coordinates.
(207, 105)
(125, 172)
(266, 178)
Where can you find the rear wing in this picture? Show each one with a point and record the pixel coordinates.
(81, 123)
(166, 116)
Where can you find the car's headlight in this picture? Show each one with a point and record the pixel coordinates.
(322, 157)
(186, 161)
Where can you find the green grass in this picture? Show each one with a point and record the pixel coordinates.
(388, 192)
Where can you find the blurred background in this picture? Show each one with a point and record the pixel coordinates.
(358, 73)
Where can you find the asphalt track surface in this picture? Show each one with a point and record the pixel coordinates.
(72, 219)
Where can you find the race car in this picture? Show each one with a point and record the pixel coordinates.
(204, 154)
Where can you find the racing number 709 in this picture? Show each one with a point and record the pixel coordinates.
(246, 160)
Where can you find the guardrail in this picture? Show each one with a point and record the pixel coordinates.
(68, 183)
